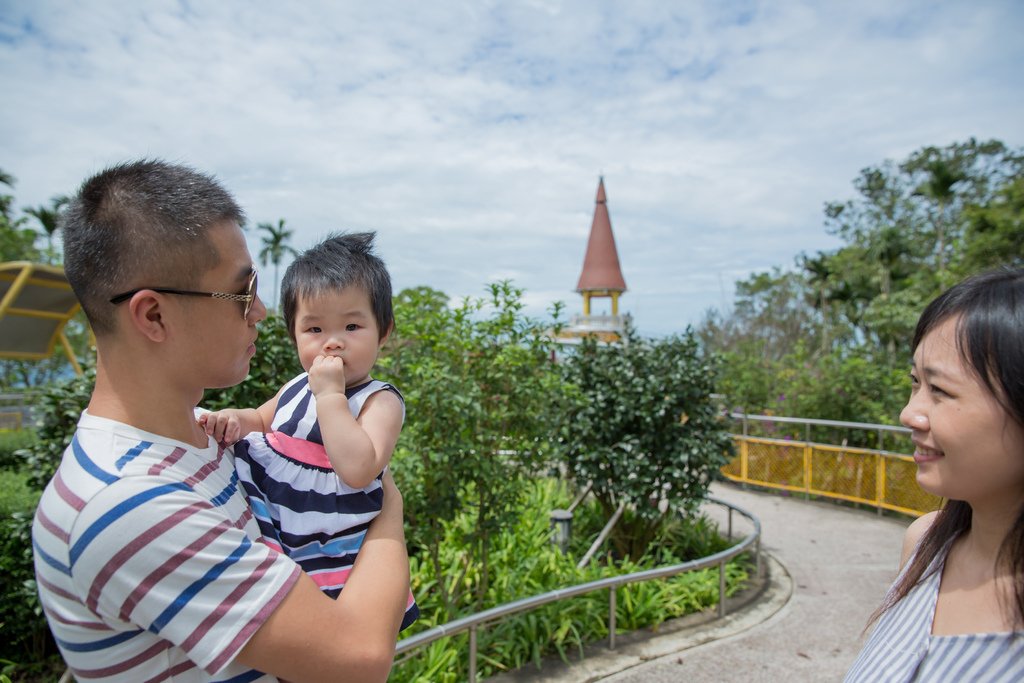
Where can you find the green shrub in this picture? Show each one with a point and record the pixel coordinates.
(11, 443)
(25, 640)
(57, 410)
(16, 494)
(644, 430)
(479, 386)
(24, 636)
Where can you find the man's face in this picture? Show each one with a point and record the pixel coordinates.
(221, 342)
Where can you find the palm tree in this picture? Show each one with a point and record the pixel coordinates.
(275, 247)
(49, 218)
(5, 199)
(942, 175)
(819, 274)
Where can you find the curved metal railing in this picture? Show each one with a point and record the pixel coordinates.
(473, 622)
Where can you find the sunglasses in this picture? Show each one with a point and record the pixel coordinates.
(247, 298)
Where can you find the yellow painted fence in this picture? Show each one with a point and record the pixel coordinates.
(880, 478)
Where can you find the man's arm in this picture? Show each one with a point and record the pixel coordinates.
(310, 637)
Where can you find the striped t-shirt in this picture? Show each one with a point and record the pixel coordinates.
(902, 647)
(146, 559)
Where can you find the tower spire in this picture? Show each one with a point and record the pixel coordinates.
(602, 274)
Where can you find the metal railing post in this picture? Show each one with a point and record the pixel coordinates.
(472, 654)
(757, 556)
(729, 534)
(807, 470)
(744, 460)
(611, 618)
(721, 588)
(880, 483)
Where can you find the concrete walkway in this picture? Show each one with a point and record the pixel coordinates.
(829, 567)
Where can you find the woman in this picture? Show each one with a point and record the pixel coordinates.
(956, 612)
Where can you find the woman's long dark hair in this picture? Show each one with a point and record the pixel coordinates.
(990, 339)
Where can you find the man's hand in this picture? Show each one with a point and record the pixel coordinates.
(327, 376)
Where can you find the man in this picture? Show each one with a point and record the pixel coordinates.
(147, 556)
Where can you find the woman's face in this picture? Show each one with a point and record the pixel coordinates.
(966, 446)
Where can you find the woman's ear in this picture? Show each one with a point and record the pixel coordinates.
(147, 316)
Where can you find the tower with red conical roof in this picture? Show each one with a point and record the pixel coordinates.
(601, 277)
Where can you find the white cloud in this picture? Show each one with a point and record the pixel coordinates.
(471, 135)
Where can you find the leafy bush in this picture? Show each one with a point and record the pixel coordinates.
(11, 443)
(24, 635)
(850, 385)
(644, 430)
(16, 494)
(57, 410)
(479, 386)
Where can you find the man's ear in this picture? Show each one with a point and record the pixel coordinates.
(146, 315)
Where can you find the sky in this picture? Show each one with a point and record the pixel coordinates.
(470, 135)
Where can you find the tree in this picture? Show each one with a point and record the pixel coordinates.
(942, 176)
(819, 271)
(995, 232)
(910, 230)
(275, 248)
(770, 313)
(49, 220)
(944, 182)
(480, 390)
(17, 243)
(643, 429)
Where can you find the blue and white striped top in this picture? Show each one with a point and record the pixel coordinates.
(302, 507)
(902, 647)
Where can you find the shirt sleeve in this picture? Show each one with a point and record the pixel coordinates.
(151, 553)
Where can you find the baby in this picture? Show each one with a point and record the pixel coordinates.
(312, 457)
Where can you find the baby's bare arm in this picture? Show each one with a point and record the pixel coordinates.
(358, 449)
(230, 424)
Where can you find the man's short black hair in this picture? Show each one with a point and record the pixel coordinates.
(141, 223)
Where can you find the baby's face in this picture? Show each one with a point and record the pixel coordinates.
(339, 323)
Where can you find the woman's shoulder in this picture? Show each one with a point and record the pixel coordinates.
(917, 529)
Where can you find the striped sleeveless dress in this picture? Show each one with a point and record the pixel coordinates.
(302, 506)
(902, 647)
